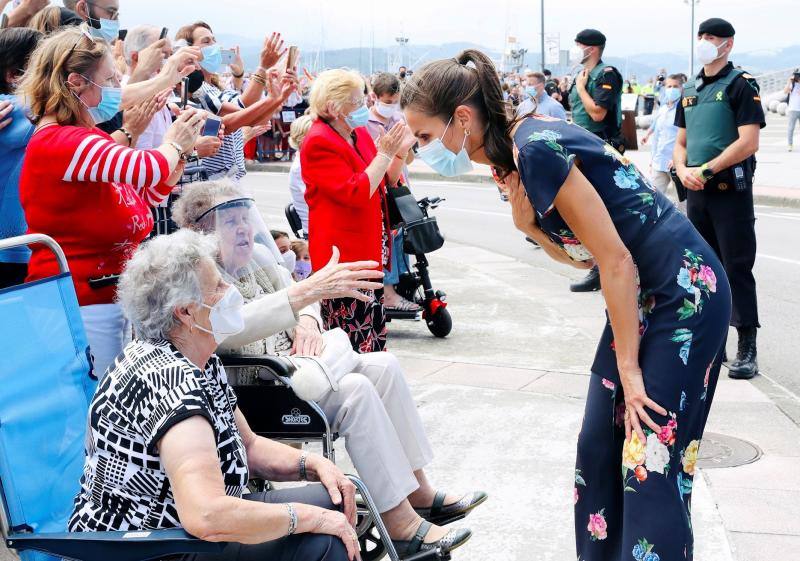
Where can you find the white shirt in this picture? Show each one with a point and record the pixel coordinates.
(153, 135)
(663, 138)
(794, 98)
(298, 191)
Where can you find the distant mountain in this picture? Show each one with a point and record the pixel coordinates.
(643, 66)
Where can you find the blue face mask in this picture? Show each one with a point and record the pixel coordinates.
(110, 100)
(531, 91)
(443, 161)
(672, 94)
(302, 270)
(358, 118)
(212, 59)
(108, 32)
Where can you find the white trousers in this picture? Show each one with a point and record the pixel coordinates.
(376, 414)
(107, 332)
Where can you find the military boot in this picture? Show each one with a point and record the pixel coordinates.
(589, 284)
(745, 366)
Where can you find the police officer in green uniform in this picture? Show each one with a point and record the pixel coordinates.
(596, 101)
(719, 118)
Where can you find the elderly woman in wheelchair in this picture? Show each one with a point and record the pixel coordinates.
(167, 446)
(367, 399)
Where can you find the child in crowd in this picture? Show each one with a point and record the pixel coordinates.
(302, 268)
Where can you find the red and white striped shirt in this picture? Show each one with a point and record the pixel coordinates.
(92, 196)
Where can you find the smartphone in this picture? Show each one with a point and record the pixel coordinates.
(228, 56)
(292, 57)
(164, 33)
(212, 126)
(184, 92)
(122, 34)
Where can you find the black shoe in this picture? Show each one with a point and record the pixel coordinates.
(745, 366)
(531, 240)
(589, 284)
(442, 515)
(452, 540)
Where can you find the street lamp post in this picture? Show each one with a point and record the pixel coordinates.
(541, 4)
(691, 37)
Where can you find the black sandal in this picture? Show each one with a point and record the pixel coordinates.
(441, 514)
(453, 539)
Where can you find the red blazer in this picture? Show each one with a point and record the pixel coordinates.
(341, 212)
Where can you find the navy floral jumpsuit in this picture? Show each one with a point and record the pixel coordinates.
(633, 499)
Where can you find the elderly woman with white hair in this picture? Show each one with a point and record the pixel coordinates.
(167, 446)
(370, 403)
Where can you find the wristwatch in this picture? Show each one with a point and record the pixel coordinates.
(705, 172)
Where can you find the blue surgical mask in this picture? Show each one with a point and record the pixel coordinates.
(672, 94)
(212, 58)
(531, 91)
(358, 118)
(443, 161)
(108, 32)
(110, 101)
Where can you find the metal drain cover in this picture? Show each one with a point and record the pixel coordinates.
(721, 451)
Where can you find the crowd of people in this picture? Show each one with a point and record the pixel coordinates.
(106, 141)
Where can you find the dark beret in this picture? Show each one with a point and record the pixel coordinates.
(590, 38)
(716, 26)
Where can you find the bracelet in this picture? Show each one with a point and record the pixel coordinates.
(387, 156)
(292, 519)
(128, 135)
(303, 472)
(238, 76)
(176, 146)
(258, 79)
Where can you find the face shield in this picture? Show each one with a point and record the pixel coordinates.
(246, 247)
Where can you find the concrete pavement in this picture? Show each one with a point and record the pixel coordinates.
(503, 396)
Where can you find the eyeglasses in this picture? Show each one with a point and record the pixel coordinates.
(113, 13)
(84, 34)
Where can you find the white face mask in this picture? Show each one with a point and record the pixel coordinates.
(226, 316)
(289, 260)
(707, 52)
(577, 55)
(387, 110)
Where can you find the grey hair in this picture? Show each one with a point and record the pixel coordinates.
(199, 197)
(162, 276)
(139, 38)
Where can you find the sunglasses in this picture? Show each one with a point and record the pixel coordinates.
(85, 34)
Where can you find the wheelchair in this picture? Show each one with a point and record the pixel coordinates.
(421, 236)
(48, 385)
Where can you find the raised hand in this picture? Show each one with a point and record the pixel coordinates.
(272, 51)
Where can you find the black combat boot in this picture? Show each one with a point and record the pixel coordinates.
(745, 366)
(589, 284)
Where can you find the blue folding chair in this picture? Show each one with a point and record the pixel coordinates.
(47, 384)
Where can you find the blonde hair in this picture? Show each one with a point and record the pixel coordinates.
(335, 85)
(44, 85)
(298, 131)
(47, 20)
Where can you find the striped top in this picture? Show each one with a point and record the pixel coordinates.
(93, 196)
(229, 161)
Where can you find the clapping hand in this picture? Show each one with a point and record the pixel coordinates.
(6, 107)
(390, 142)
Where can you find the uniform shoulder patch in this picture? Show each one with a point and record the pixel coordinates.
(606, 86)
(747, 76)
(608, 69)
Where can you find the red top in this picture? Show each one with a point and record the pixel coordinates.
(92, 196)
(341, 211)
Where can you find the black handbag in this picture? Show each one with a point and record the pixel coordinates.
(422, 236)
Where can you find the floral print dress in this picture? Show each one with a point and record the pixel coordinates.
(633, 499)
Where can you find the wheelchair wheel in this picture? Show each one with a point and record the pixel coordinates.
(440, 324)
(370, 544)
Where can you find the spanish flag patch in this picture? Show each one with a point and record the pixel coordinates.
(606, 86)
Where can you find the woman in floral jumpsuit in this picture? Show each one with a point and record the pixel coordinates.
(666, 293)
(633, 497)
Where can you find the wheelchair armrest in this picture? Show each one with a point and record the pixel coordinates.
(120, 546)
(280, 366)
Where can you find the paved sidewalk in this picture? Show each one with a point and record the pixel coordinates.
(502, 398)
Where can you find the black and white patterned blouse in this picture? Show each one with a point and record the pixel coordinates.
(229, 161)
(149, 389)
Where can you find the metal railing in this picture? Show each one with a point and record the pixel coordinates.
(774, 81)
